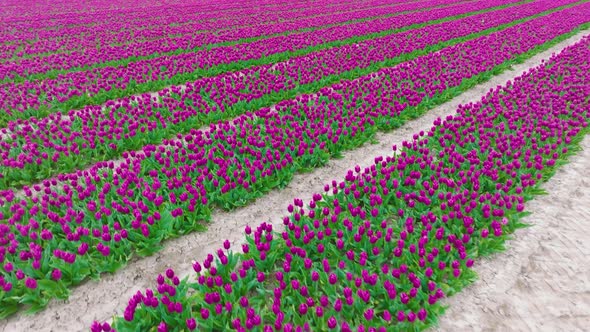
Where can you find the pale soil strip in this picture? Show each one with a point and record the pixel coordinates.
(100, 300)
(542, 282)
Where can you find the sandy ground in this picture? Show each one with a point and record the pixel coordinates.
(100, 300)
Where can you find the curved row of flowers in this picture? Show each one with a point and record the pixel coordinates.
(76, 32)
(37, 149)
(381, 247)
(72, 90)
(93, 221)
(83, 47)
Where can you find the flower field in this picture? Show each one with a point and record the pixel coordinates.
(126, 126)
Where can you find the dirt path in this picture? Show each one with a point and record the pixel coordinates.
(100, 300)
(542, 282)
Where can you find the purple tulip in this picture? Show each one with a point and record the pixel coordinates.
(56, 274)
(332, 279)
(302, 309)
(332, 323)
(204, 313)
(31, 283)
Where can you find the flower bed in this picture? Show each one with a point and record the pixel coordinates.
(37, 149)
(93, 221)
(72, 90)
(69, 49)
(380, 248)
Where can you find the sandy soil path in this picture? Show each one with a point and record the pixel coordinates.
(100, 300)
